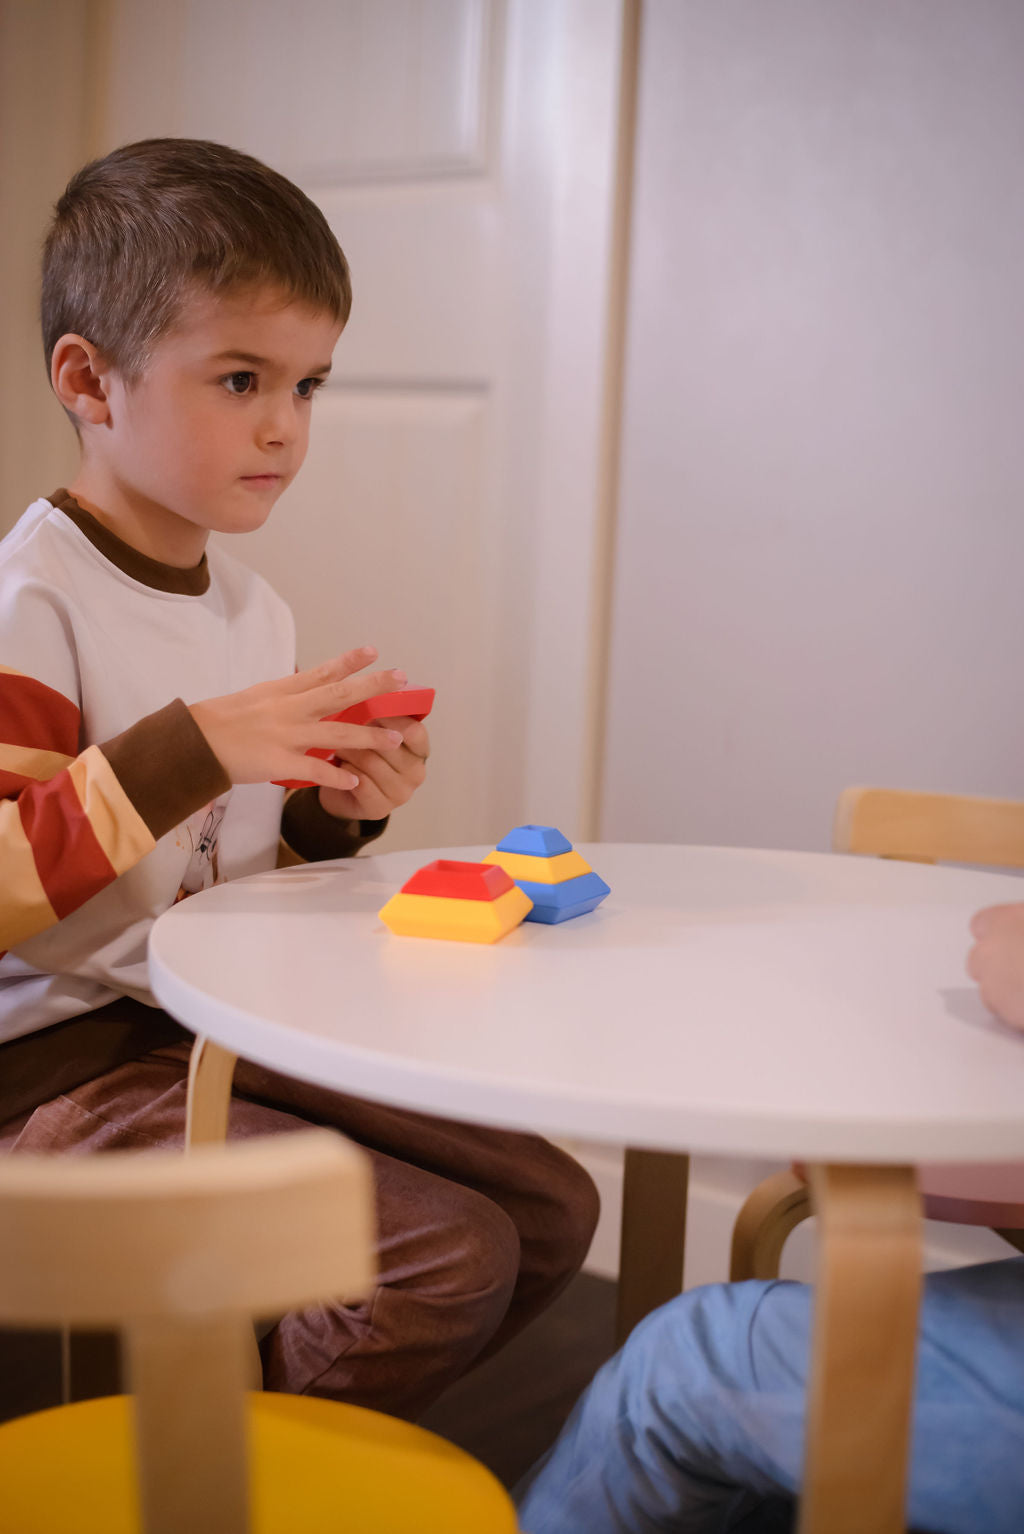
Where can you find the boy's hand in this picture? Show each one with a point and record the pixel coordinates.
(264, 732)
(388, 776)
(996, 961)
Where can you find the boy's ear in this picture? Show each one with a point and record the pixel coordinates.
(79, 378)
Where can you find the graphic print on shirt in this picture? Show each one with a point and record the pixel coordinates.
(201, 832)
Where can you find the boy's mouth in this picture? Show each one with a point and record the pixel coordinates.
(261, 481)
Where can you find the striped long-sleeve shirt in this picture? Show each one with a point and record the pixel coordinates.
(112, 804)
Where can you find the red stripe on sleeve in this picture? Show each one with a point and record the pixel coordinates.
(12, 783)
(32, 714)
(71, 863)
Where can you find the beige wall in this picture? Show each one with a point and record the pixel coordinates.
(819, 567)
(45, 52)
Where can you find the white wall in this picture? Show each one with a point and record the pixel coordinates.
(820, 566)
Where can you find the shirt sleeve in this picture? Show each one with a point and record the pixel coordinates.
(71, 821)
(314, 835)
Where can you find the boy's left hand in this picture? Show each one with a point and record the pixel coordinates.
(386, 778)
(996, 961)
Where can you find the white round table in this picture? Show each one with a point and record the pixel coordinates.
(722, 1000)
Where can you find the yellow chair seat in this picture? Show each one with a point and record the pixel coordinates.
(317, 1467)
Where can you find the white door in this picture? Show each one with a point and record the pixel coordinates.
(450, 509)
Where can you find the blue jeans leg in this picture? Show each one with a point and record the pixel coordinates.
(697, 1424)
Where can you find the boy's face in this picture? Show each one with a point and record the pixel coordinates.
(218, 424)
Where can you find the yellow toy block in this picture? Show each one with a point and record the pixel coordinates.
(467, 921)
(519, 865)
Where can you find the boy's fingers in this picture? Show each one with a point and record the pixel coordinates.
(396, 773)
(324, 774)
(373, 780)
(332, 671)
(414, 735)
(342, 738)
(396, 759)
(334, 696)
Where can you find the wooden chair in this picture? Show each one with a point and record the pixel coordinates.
(182, 1252)
(918, 828)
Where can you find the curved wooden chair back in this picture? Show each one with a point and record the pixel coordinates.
(181, 1253)
(930, 828)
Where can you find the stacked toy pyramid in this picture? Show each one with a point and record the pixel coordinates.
(560, 883)
(472, 902)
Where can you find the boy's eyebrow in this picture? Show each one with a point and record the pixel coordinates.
(260, 362)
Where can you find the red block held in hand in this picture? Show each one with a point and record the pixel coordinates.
(407, 702)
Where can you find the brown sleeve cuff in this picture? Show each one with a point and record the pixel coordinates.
(314, 835)
(166, 767)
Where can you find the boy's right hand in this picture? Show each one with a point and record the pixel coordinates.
(265, 731)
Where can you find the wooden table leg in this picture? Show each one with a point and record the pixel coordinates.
(653, 1234)
(210, 1070)
(861, 1383)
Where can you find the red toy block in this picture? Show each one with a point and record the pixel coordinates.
(408, 702)
(459, 881)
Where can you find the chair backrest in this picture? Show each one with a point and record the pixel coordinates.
(930, 828)
(182, 1252)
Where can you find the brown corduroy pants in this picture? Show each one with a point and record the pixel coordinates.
(478, 1229)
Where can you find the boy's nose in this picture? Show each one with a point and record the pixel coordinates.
(279, 425)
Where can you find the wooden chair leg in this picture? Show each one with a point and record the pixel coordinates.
(864, 1342)
(210, 1070)
(653, 1240)
(191, 1443)
(775, 1207)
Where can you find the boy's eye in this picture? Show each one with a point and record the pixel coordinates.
(239, 383)
(307, 387)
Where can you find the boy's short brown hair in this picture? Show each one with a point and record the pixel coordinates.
(136, 229)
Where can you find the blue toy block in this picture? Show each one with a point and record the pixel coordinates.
(535, 842)
(560, 902)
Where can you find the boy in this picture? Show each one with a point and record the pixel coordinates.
(192, 299)
(697, 1425)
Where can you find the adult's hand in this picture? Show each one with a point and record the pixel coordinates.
(996, 961)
